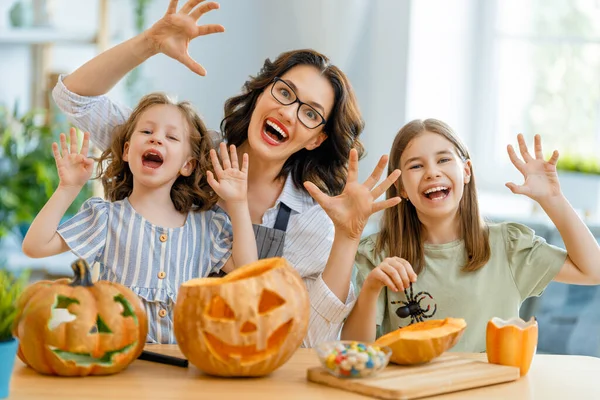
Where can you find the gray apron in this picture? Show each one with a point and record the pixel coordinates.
(269, 241)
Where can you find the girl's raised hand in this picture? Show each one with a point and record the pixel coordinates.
(231, 184)
(350, 211)
(393, 272)
(541, 180)
(171, 35)
(74, 167)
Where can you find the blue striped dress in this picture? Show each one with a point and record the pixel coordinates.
(150, 260)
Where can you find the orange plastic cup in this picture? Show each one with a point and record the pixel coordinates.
(512, 342)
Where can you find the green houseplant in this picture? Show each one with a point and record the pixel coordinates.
(11, 288)
(580, 182)
(574, 163)
(28, 175)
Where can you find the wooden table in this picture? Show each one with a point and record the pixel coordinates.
(550, 377)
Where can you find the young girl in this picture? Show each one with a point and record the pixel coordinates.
(160, 226)
(465, 267)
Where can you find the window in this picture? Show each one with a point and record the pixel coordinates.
(542, 75)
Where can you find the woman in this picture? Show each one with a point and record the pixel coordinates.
(298, 121)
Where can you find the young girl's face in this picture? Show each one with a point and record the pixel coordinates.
(433, 175)
(275, 131)
(158, 150)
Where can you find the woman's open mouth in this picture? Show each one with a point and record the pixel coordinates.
(275, 133)
(152, 159)
(437, 193)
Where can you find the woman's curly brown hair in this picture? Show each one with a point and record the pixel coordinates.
(188, 192)
(327, 165)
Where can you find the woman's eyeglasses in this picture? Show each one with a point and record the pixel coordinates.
(284, 94)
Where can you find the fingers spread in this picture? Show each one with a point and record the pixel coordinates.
(193, 65)
(189, 6)
(537, 145)
(554, 159)
(216, 164)
(55, 151)
(385, 185)
(210, 178)
(63, 145)
(317, 194)
(245, 162)
(376, 174)
(517, 189)
(209, 29)
(234, 157)
(73, 140)
(224, 156)
(353, 166)
(382, 205)
(172, 9)
(203, 9)
(85, 146)
(520, 165)
(523, 148)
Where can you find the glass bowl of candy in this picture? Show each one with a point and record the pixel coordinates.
(350, 359)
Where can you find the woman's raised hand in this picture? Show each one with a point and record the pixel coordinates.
(73, 165)
(171, 35)
(350, 211)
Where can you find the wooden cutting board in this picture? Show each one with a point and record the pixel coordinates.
(447, 373)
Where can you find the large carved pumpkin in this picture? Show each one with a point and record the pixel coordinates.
(77, 328)
(422, 342)
(246, 324)
(512, 342)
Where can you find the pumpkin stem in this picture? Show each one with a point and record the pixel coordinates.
(83, 277)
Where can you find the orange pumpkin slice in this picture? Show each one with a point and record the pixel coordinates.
(422, 342)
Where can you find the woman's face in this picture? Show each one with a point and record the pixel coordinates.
(275, 131)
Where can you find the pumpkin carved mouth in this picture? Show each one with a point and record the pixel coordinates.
(61, 315)
(248, 355)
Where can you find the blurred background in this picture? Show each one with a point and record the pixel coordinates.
(489, 68)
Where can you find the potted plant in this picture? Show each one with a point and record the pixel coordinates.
(11, 287)
(28, 175)
(580, 182)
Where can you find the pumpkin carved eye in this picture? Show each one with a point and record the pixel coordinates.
(219, 309)
(269, 301)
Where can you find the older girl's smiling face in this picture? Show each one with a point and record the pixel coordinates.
(275, 131)
(433, 175)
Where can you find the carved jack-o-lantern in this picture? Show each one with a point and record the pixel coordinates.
(246, 324)
(77, 328)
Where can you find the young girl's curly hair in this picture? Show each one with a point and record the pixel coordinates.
(188, 192)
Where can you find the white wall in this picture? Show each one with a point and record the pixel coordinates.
(406, 59)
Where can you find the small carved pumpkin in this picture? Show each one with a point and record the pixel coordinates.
(512, 342)
(422, 342)
(246, 324)
(78, 328)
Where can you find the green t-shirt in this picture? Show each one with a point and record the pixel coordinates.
(521, 265)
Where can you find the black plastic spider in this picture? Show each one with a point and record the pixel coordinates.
(413, 308)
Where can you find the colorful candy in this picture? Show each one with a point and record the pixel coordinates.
(353, 359)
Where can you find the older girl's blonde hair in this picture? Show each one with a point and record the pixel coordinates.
(401, 230)
(188, 192)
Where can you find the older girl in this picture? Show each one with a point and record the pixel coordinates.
(466, 268)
